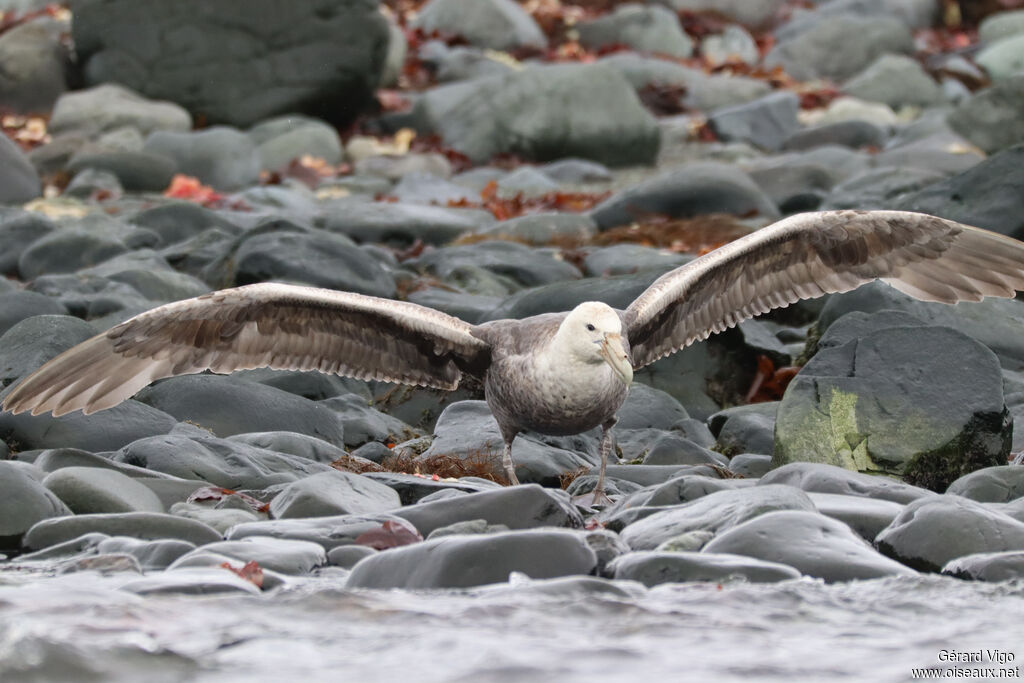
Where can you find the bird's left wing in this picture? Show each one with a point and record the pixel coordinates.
(811, 254)
(262, 325)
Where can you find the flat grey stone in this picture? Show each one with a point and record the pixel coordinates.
(812, 543)
(652, 568)
(333, 493)
(144, 525)
(714, 512)
(866, 516)
(328, 532)
(463, 561)
(24, 501)
(999, 484)
(151, 555)
(930, 532)
(1004, 566)
(821, 478)
(89, 490)
(517, 507)
(279, 555)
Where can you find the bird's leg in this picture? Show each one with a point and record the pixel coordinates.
(506, 461)
(600, 497)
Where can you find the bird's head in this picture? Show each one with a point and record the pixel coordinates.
(593, 332)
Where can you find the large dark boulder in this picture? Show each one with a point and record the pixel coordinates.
(544, 113)
(237, 61)
(986, 196)
(922, 402)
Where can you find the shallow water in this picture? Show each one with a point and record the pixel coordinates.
(81, 627)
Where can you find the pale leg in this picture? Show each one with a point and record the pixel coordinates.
(506, 462)
(600, 498)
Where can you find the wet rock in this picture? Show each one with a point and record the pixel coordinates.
(495, 24)
(333, 493)
(412, 488)
(316, 258)
(714, 512)
(866, 516)
(927, 407)
(65, 251)
(897, 80)
(813, 544)
(684, 192)
(100, 432)
(94, 182)
(991, 485)
(853, 133)
(151, 555)
(34, 62)
(643, 28)
(878, 187)
(178, 221)
(401, 223)
(988, 119)
(109, 106)
(471, 526)
(328, 532)
(222, 157)
(733, 43)
(191, 581)
(839, 47)
(1005, 566)
(996, 323)
(31, 342)
(751, 14)
(221, 520)
(467, 430)
(543, 113)
(19, 306)
(652, 568)
(571, 170)
(616, 291)
(934, 530)
(276, 554)
(347, 556)
(822, 478)
(673, 449)
(89, 296)
(228, 406)
(299, 445)
(279, 141)
(144, 525)
(517, 507)
(462, 561)
(745, 429)
(1002, 58)
(135, 171)
(543, 228)
(750, 465)
(87, 490)
(766, 122)
(18, 229)
(221, 462)
(24, 501)
(682, 489)
(1001, 25)
(646, 407)
(222, 60)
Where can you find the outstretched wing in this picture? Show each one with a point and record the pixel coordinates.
(262, 325)
(811, 254)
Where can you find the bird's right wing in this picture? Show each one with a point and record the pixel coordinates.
(262, 325)
(811, 254)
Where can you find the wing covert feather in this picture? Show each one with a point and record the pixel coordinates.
(812, 254)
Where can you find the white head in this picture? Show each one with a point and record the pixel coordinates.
(592, 333)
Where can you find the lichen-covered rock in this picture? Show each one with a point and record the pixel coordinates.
(923, 403)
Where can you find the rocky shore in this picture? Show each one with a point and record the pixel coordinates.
(498, 159)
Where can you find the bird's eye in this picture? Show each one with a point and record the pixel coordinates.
(590, 327)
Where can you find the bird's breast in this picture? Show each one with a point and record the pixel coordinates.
(553, 399)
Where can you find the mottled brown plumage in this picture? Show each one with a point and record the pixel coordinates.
(555, 373)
